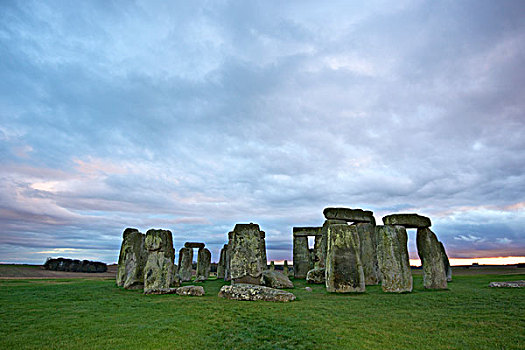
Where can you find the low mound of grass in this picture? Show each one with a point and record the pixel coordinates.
(79, 314)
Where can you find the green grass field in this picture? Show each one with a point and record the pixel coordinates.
(83, 314)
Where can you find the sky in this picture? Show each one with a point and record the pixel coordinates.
(195, 116)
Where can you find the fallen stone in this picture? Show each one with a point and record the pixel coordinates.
(368, 252)
(132, 260)
(308, 289)
(252, 292)
(429, 250)
(158, 272)
(349, 215)
(511, 284)
(191, 290)
(275, 279)
(161, 291)
(194, 245)
(316, 276)
(392, 258)
(407, 220)
(344, 271)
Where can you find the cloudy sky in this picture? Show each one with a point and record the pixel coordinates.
(194, 116)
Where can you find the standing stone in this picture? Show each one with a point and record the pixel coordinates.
(368, 252)
(344, 272)
(227, 272)
(392, 257)
(301, 256)
(311, 260)
(203, 265)
(446, 262)
(323, 245)
(429, 250)
(320, 255)
(272, 266)
(158, 273)
(185, 264)
(246, 254)
(131, 261)
(286, 270)
(221, 266)
(262, 247)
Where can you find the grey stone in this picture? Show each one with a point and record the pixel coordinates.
(194, 245)
(250, 292)
(307, 231)
(429, 250)
(158, 272)
(286, 270)
(301, 256)
(446, 262)
(190, 290)
(368, 252)
(227, 272)
(262, 245)
(185, 264)
(275, 279)
(349, 215)
(321, 247)
(131, 261)
(344, 271)
(407, 220)
(316, 276)
(203, 265)
(221, 266)
(392, 257)
(246, 262)
(160, 291)
(272, 266)
(510, 284)
(308, 289)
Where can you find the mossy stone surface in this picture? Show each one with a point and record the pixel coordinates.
(368, 252)
(159, 269)
(392, 257)
(132, 260)
(429, 250)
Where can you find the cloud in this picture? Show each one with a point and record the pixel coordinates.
(193, 117)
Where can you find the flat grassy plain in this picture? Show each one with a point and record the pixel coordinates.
(95, 314)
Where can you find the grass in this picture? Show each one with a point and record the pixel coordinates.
(95, 314)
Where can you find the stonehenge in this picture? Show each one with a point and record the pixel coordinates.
(132, 260)
(349, 253)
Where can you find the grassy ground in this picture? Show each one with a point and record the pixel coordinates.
(82, 313)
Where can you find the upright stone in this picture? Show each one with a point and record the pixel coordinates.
(246, 254)
(272, 266)
(262, 245)
(301, 256)
(321, 250)
(392, 257)
(320, 255)
(227, 272)
(446, 262)
(429, 250)
(158, 273)
(286, 270)
(221, 266)
(203, 265)
(185, 264)
(131, 261)
(368, 252)
(344, 272)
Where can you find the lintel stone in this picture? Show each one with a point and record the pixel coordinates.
(349, 215)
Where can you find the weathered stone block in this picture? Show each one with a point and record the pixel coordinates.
(392, 257)
(221, 266)
(250, 292)
(344, 272)
(307, 231)
(131, 261)
(301, 256)
(203, 265)
(275, 279)
(429, 250)
(185, 264)
(316, 276)
(196, 291)
(194, 245)
(368, 252)
(158, 272)
(246, 263)
(446, 262)
(407, 220)
(349, 215)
